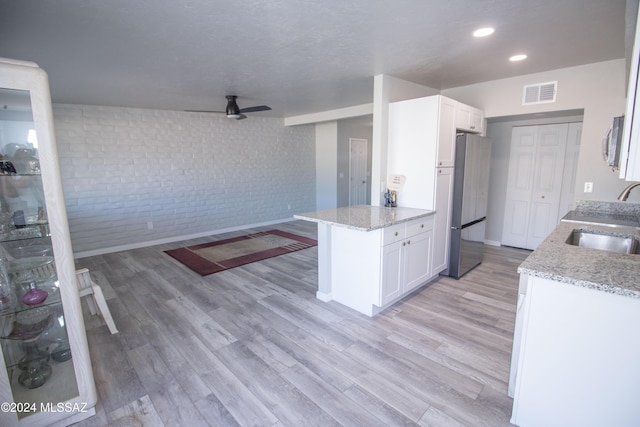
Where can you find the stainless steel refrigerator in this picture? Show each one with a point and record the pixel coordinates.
(469, 206)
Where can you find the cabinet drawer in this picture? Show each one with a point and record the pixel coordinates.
(419, 226)
(393, 234)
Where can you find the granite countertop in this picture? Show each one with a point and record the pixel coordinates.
(590, 268)
(611, 219)
(364, 217)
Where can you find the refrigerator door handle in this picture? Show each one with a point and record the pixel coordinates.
(469, 224)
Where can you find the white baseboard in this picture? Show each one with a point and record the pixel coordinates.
(492, 243)
(324, 296)
(112, 249)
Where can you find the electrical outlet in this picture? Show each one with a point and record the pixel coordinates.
(588, 187)
(289, 207)
(150, 225)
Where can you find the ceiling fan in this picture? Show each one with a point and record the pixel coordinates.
(233, 111)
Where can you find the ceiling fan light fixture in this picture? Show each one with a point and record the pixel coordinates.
(233, 111)
(483, 32)
(519, 57)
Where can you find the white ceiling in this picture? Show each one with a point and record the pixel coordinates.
(297, 56)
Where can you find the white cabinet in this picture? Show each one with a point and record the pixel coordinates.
(414, 130)
(630, 150)
(391, 275)
(577, 353)
(422, 137)
(406, 262)
(417, 259)
(372, 269)
(442, 219)
(469, 119)
(446, 146)
(44, 364)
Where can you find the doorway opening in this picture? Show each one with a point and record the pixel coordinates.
(354, 161)
(499, 130)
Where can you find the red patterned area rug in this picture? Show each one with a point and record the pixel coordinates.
(208, 258)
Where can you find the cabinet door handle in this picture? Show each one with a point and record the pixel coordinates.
(408, 242)
(404, 243)
(421, 225)
(396, 233)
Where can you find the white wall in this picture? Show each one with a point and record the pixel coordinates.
(188, 174)
(326, 165)
(598, 89)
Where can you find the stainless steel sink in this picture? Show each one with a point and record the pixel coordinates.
(605, 242)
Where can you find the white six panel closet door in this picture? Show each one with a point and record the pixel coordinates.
(534, 185)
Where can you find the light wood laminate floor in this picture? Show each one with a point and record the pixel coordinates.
(253, 346)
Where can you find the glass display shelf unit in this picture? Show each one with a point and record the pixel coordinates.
(33, 335)
(29, 231)
(45, 362)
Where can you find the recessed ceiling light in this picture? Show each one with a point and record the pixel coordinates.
(515, 58)
(483, 32)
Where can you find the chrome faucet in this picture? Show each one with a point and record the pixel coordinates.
(625, 193)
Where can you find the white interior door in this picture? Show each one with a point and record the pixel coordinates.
(518, 198)
(568, 195)
(534, 186)
(357, 171)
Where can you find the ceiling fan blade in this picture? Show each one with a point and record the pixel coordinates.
(205, 111)
(241, 116)
(255, 109)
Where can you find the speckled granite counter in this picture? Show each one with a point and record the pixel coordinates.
(590, 268)
(364, 217)
(613, 213)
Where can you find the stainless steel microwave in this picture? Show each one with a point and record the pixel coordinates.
(612, 142)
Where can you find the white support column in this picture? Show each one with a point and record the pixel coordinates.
(324, 262)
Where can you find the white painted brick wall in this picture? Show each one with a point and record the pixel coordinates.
(187, 173)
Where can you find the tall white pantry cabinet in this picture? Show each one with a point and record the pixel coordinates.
(422, 136)
(45, 369)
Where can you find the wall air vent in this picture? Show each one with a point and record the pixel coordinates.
(540, 93)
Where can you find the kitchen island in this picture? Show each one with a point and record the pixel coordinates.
(577, 336)
(370, 256)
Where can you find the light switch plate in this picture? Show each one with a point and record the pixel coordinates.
(588, 187)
